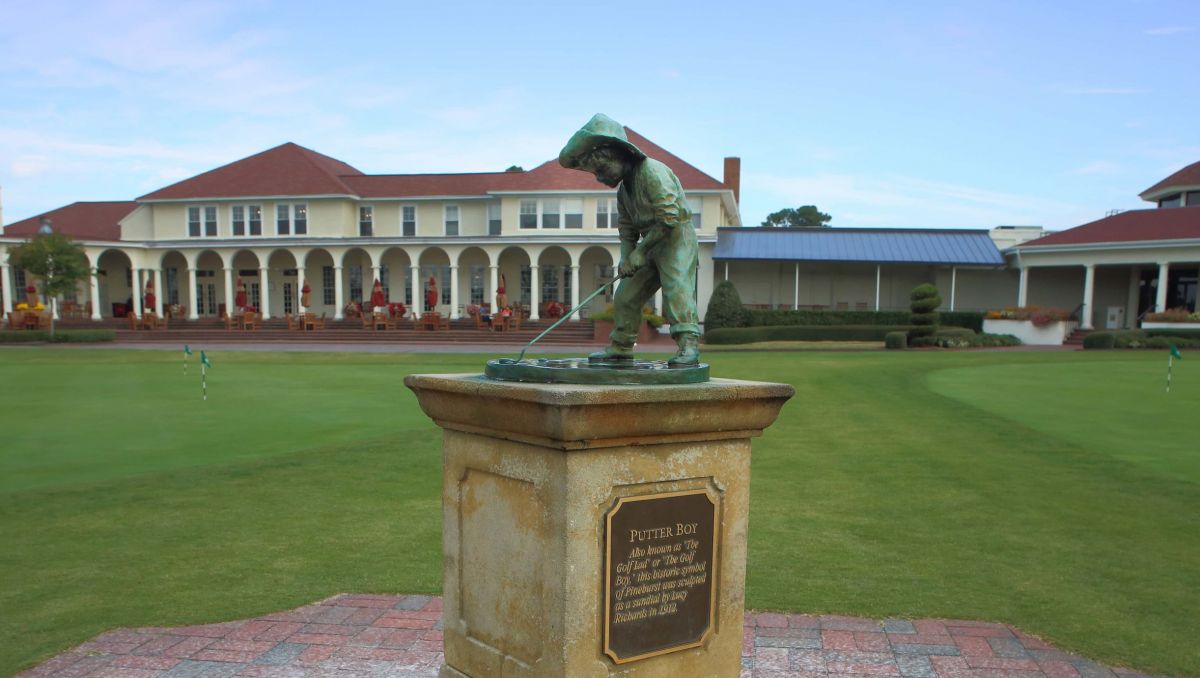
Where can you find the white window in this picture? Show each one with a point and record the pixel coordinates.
(493, 216)
(451, 219)
(573, 213)
(291, 219)
(529, 214)
(202, 221)
(408, 220)
(550, 214)
(245, 220)
(696, 205)
(606, 213)
(366, 220)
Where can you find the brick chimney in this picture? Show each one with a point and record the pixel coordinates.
(733, 177)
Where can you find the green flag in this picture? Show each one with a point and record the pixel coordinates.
(1175, 352)
(204, 359)
(187, 350)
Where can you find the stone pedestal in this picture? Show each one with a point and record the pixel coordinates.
(595, 531)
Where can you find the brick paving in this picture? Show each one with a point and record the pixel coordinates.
(354, 635)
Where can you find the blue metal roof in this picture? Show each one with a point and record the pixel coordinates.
(865, 245)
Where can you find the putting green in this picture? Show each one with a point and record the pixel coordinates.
(1120, 409)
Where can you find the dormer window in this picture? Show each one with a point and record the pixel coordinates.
(202, 221)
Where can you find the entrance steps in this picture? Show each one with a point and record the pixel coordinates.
(1076, 338)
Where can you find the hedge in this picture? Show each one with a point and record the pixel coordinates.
(763, 318)
(750, 335)
(965, 340)
(895, 340)
(60, 336)
(1140, 339)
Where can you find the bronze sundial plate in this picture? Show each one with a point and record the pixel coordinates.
(659, 562)
(582, 371)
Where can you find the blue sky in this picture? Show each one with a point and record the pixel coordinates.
(934, 114)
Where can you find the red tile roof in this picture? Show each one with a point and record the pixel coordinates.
(294, 170)
(284, 170)
(1188, 176)
(80, 220)
(1172, 223)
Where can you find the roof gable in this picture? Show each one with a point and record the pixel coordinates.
(1188, 177)
(79, 220)
(1176, 223)
(289, 169)
(860, 245)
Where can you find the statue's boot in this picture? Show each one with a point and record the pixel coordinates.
(689, 350)
(613, 351)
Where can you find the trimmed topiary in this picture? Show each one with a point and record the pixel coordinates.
(725, 308)
(924, 317)
(895, 340)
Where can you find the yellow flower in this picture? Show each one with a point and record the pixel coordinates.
(22, 307)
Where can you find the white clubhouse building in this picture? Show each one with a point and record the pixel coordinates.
(290, 216)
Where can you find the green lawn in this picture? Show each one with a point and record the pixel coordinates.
(1058, 492)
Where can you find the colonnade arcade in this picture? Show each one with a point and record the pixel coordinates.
(1110, 294)
(204, 280)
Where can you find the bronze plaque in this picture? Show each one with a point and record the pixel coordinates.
(660, 556)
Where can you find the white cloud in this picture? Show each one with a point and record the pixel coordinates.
(1169, 30)
(1105, 91)
(1097, 167)
(29, 166)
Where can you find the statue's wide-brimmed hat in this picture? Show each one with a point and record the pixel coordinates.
(601, 130)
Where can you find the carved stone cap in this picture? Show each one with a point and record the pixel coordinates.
(580, 417)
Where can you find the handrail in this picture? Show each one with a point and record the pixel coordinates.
(1074, 314)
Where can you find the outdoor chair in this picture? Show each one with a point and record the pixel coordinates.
(16, 320)
(293, 322)
(250, 321)
(135, 323)
(478, 317)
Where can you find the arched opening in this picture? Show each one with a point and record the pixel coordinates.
(514, 276)
(554, 282)
(246, 281)
(282, 284)
(210, 285)
(357, 277)
(318, 273)
(176, 290)
(435, 280)
(116, 286)
(596, 268)
(474, 277)
(395, 272)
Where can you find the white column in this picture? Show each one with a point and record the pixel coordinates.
(135, 279)
(6, 291)
(727, 270)
(94, 282)
(338, 300)
(158, 292)
(1089, 286)
(454, 293)
(193, 307)
(796, 290)
(1023, 287)
(535, 294)
(574, 290)
(1132, 297)
(1164, 270)
(878, 280)
(264, 286)
(490, 297)
(228, 291)
(953, 285)
(418, 299)
(300, 308)
(658, 307)
(377, 273)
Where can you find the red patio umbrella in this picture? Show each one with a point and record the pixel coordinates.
(240, 299)
(378, 299)
(306, 295)
(31, 296)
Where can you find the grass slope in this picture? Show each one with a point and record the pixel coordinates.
(906, 484)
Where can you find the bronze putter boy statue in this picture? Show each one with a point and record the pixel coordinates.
(658, 243)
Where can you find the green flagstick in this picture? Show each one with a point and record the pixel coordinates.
(187, 351)
(204, 365)
(1170, 359)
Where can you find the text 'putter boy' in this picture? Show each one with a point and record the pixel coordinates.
(658, 243)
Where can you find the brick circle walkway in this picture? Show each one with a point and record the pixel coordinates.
(352, 635)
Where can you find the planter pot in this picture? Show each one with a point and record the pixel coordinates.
(646, 335)
(1183, 328)
(1053, 334)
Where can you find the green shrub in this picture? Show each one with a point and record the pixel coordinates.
(955, 332)
(969, 319)
(769, 318)
(924, 318)
(725, 308)
(895, 340)
(60, 336)
(655, 321)
(965, 340)
(1100, 340)
(750, 335)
